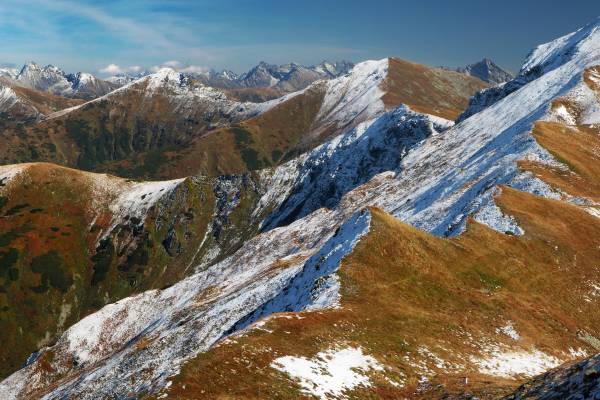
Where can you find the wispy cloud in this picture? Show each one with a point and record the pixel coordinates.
(88, 35)
(50, 19)
(114, 69)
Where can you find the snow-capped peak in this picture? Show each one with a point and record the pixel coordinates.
(355, 94)
(82, 79)
(166, 77)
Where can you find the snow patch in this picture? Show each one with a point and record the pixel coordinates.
(330, 373)
(514, 363)
(9, 172)
(593, 211)
(561, 114)
(509, 330)
(577, 353)
(491, 215)
(8, 98)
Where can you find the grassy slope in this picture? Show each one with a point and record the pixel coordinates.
(261, 142)
(429, 90)
(52, 274)
(403, 288)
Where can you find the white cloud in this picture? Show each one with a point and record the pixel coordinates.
(180, 67)
(172, 64)
(194, 69)
(114, 69)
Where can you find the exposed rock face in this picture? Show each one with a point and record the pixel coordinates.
(53, 80)
(580, 380)
(487, 71)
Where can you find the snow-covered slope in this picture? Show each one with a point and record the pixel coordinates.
(8, 98)
(8, 72)
(47, 79)
(24, 104)
(414, 166)
(356, 96)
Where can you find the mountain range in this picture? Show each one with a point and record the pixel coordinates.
(380, 230)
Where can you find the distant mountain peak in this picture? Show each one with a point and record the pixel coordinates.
(54, 80)
(487, 71)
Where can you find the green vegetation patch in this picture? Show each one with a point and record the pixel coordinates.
(7, 238)
(16, 209)
(244, 141)
(8, 259)
(102, 260)
(53, 270)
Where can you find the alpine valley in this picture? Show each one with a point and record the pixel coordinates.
(378, 230)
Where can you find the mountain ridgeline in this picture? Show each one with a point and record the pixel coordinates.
(171, 125)
(378, 230)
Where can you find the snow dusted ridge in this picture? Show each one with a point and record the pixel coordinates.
(137, 198)
(579, 105)
(419, 168)
(188, 317)
(15, 105)
(321, 177)
(331, 372)
(9, 172)
(356, 96)
(8, 98)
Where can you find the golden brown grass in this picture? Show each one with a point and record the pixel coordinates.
(272, 137)
(578, 148)
(403, 288)
(429, 90)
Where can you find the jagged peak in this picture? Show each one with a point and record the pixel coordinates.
(166, 76)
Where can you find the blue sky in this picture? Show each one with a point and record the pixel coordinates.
(91, 35)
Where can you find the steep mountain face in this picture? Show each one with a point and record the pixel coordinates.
(411, 312)
(55, 81)
(487, 71)
(168, 125)
(87, 86)
(72, 242)
(8, 71)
